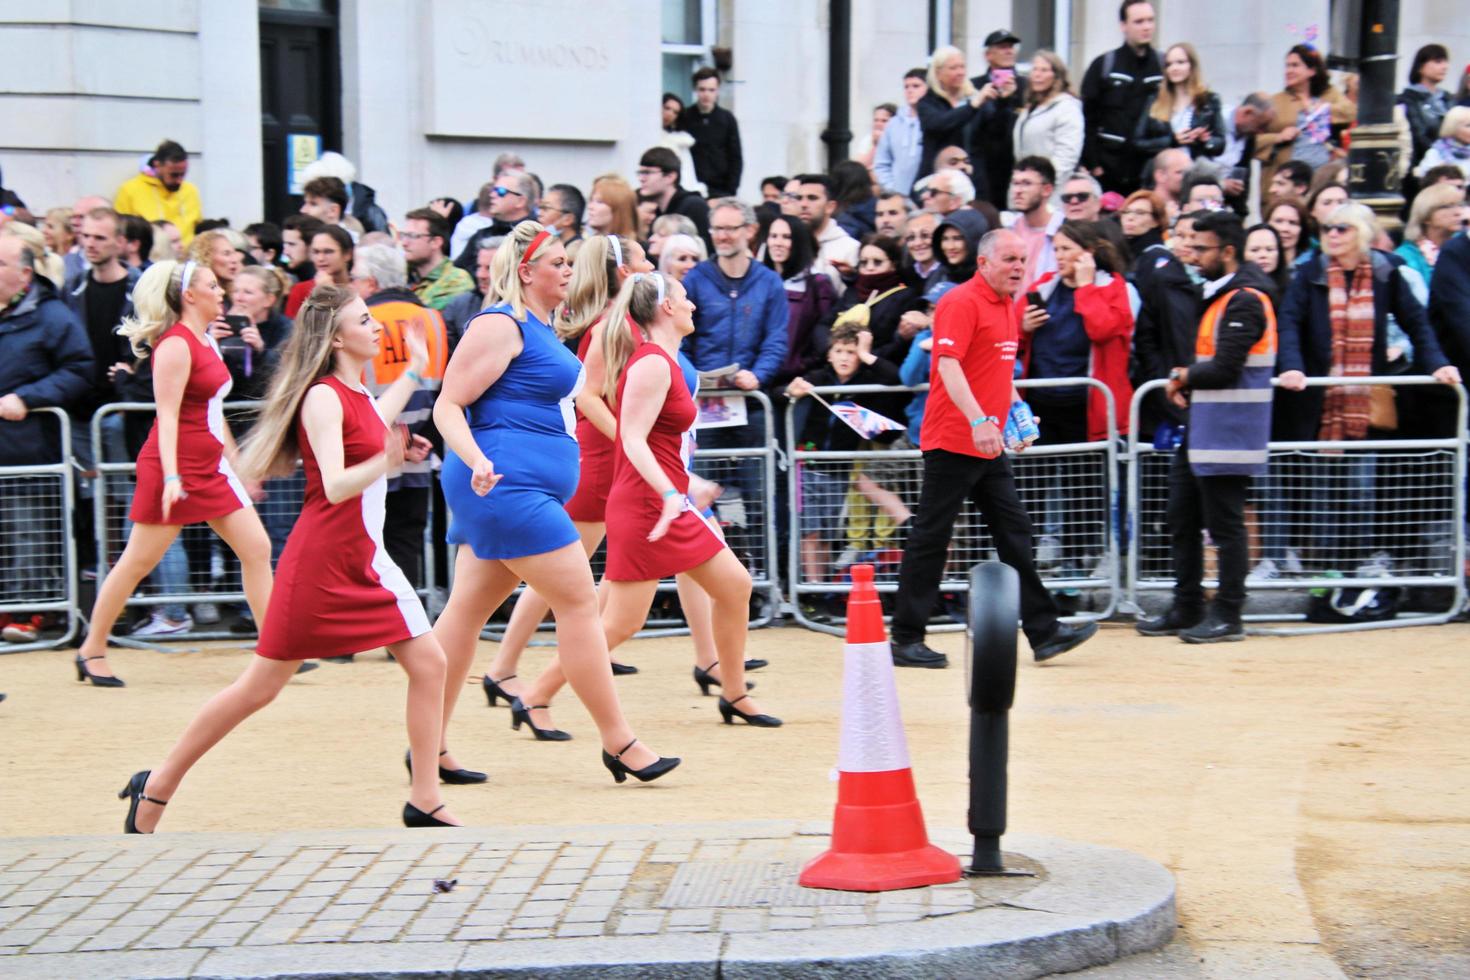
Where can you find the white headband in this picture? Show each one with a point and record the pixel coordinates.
(187, 276)
(658, 281)
(617, 248)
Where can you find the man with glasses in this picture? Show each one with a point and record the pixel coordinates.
(816, 206)
(1031, 216)
(944, 192)
(511, 198)
(560, 210)
(1081, 197)
(740, 313)
(435, 280)
(658, 181)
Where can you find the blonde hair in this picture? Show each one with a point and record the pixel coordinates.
(505, 278)
(272, 447)
(638, 302)
(1061, 83)
(271, 279)
(1163, 107)
(594, 279)
(1453, 120)
(618, 195)
(59, 221)
(942, 54)
(47, 263)
(158, 299)
(201, 250)
(1426, 202)
(1361, 218)
(680, 243)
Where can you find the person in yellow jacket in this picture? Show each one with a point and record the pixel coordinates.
(164, 194)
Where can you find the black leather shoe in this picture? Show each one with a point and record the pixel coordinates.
(1214, 630)
(1063, 639)
(623, 670)
(1172, 623)
(456, 777)
(756, 663)
(918, 655)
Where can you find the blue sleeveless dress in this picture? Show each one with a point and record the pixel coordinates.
(526, 426)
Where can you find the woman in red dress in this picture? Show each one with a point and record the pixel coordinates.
(185, 472)
(340, 593)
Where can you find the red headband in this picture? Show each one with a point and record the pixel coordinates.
(541, 236)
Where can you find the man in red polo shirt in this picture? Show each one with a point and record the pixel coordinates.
(970, 395)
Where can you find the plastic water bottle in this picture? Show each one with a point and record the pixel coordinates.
(1027, 431)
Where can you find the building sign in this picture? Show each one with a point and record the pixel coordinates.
(515, 69)
(302, 150)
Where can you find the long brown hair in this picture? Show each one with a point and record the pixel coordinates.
(1163, 107)
(1089, 238)
(272, 448)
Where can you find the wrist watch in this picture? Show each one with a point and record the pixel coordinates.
(1176, 374)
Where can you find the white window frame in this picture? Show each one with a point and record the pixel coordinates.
(708, 30)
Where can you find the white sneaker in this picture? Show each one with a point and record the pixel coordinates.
(1292, 563)
(1048, 552)
(206, 613)
(848, 558)
(1264, 572)
(160, 625)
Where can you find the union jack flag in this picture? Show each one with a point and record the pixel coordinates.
(864, 421)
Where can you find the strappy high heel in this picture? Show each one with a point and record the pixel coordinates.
(133, 792)
(706, 680)
(456, 777)
(414, 817)
(621, 771)
(519, 714)
(729, 712)
(494, 691)
(83, 674)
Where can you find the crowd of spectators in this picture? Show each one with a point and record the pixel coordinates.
(825, 277)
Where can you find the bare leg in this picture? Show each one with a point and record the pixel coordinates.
(728, 585)
(627, 610)
(145, 548)
(479, 588)
(257, 687)
(246, 537)
(696, 605)
(888, 501)
(423, 662)
(565, 579)
(816, 558)
(529, 612)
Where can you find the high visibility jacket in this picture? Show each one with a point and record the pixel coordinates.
(1230, 427)
(395, 310)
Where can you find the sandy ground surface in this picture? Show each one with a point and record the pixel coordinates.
(1312, 795)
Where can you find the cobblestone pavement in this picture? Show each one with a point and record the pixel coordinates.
(137, 898)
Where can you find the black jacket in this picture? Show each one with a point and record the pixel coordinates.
(696, 209)
(716, 151)
(883, 319)
(45, 360)
(1154, 135)
(470, 254)
(1449, 301)
(1240, 325)
(364, 208)
(1116, 91)
(991, 148)
(1424, 118)
(829, 433)
(1163, 336)
(942, 125)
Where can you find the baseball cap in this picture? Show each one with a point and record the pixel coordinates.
(936, 292)
(1002, 36)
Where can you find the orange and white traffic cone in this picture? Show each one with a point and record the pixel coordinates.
(878, 838)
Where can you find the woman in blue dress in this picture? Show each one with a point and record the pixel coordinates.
(505, 412)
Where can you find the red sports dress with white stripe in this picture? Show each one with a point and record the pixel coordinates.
(336, 590)
(212, 488)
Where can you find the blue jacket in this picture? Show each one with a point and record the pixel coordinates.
(737, 321)
(45, 359)
(1449, 301)
(1305, 326)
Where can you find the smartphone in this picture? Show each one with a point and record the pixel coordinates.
(237, 323)
(999, 76)
(1033, 298)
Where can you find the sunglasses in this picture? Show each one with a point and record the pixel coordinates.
(1337, 229)
(1077, 198)
(503, 191)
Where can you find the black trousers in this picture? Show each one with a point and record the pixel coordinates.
(950, 478)
(406, 515)
(1216, 504)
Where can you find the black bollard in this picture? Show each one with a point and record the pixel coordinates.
(995, 609)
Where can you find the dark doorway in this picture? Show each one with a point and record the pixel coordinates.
(300, 90)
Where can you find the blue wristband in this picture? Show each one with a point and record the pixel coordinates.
(414, 376)
(170, 479)
(983, 419)
(670, 493)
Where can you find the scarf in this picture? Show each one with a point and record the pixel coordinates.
(868, 284)
(1350, 309)
(1452, 150)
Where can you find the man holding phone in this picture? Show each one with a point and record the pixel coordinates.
(990, 144)
(971, 390)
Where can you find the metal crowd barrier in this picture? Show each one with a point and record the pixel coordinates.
(747, 515)
(202, 564)
(1380, 513)
(38, 555)
(1069, 490)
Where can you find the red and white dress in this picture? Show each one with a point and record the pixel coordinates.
(595, 457)
(633, 507)
(212, 489)
(336, 590)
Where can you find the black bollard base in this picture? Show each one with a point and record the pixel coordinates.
(986, 862)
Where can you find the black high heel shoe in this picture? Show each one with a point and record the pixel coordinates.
(620, 770)
(133, 792)
(519, 714)
(729, 712)
(706, 680)
(414, 817)
(456, 777)
(493, 690)
(83, 674)
(756, 663)
(620, 670)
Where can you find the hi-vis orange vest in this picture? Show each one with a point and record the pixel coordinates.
(1229, 428)
(395, 316)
